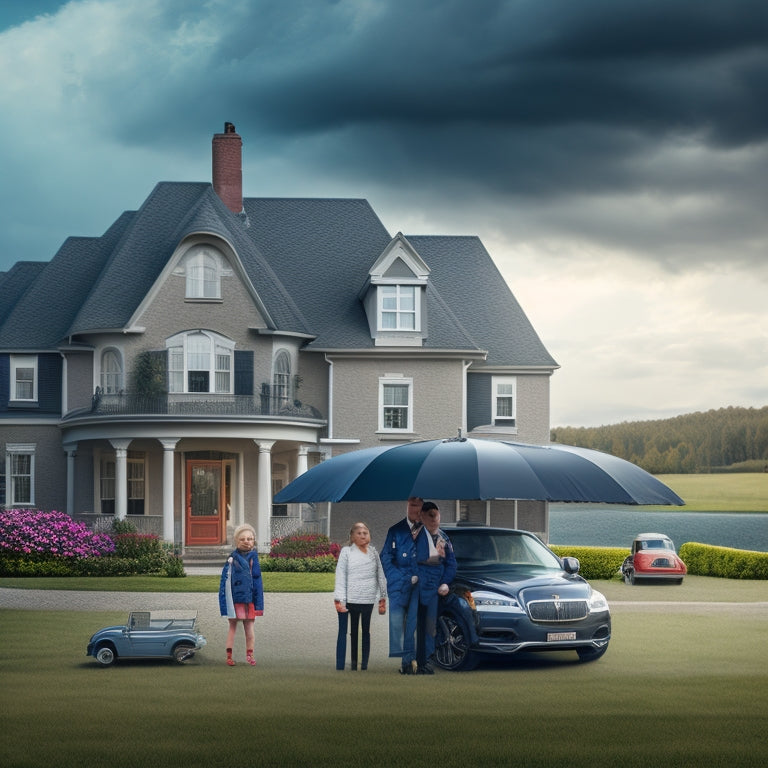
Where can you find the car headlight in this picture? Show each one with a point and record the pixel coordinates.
(597, 602)
(493, 601)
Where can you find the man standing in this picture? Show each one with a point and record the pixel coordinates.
(398, 558)
(436, 566)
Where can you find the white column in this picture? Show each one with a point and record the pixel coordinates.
(168, 511)
(71, 449)
(121, 477)
(301, 460)
(264, 502)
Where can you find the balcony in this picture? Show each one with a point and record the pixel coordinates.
(198, 404)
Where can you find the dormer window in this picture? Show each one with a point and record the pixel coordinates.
(203, 267)
(394, 296)
(23, 378)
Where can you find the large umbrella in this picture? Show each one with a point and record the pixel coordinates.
(466, 468)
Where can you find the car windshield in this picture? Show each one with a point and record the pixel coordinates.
(501, 549)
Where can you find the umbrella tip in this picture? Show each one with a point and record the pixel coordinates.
(458, 439)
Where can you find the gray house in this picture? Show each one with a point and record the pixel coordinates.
(182, 367)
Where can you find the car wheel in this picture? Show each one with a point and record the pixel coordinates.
(629, 576)
(106, 655)
(591, 654)
(452, 644)
(183, 652)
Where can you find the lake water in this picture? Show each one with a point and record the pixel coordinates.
(608, 526)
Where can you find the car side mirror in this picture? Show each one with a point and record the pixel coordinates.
(571, 564)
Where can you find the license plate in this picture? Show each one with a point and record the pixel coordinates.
(553, 637)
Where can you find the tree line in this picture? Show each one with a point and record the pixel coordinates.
(726, 439)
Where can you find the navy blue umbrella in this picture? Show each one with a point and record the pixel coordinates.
(466, 468)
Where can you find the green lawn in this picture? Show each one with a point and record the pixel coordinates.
(747, 492)
(686, 685)
(683, 689)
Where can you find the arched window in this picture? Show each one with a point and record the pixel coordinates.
(111, 372)
(200, 361)
(282, 389)
(202, 267)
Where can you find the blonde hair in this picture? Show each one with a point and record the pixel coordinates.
(240, 529)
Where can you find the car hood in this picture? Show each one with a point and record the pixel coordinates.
(510, 583)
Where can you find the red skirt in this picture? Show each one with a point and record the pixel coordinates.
(245, 611)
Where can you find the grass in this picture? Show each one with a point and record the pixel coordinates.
(689, 688)
(747, 492)
(273, 582)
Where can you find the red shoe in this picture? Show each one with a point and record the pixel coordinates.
(249, 658)
(230, 661)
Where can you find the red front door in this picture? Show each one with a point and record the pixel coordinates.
(206, 518)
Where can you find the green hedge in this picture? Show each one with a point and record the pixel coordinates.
(724, 562)
(595, 562)
(323, 564)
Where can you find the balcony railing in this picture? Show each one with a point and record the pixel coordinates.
(200, 404)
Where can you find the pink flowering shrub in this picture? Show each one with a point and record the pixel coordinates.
(32, 532)
(304, 545)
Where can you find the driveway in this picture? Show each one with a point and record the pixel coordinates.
(295, 626)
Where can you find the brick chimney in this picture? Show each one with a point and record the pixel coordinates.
(228, 168)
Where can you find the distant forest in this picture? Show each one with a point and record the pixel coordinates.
(723, 440)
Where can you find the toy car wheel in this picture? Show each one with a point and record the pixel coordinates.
(629, 576)
(183, 652)
(452, 644)
(106, 656)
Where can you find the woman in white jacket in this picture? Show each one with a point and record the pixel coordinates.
(360, 582)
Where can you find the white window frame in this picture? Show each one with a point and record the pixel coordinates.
(221, 379)
(282, 389)
(509, 383)
(13, 450)
(384, 384)
(202, 268)
(17, 363)
(397, 292)
(111, 379)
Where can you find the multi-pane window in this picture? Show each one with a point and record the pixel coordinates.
(111, 372)
(20, 475)
(24, 377)
(135, 490)
(202, 270)
(398, 310)
(281, 379)
(395, 405)
(200, 361)
(135, 470)
(504, 400)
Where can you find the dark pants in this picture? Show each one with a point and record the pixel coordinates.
(426, 626)
(357, 613)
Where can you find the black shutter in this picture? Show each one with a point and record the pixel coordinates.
(244, 372)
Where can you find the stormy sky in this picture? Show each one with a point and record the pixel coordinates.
(611, 155)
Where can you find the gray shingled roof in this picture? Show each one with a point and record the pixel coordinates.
(306, 258)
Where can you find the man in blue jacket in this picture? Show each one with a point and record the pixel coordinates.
(398, 558)
(436, 565)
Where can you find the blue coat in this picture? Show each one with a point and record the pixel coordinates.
(398, 559)
(241, 583)
(432, 576)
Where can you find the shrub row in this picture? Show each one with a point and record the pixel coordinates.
(322, 564)
(303, 545)
(724, 562)
(595, 562)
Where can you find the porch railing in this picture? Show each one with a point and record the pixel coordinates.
(201, 404)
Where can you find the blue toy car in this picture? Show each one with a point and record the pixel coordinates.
(147, 635)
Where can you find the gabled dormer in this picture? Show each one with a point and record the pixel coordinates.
(394, 296)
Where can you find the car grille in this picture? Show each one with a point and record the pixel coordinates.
(557, 610)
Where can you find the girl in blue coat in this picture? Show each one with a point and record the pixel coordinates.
(241, 595)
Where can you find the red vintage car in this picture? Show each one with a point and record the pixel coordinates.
(653, 558)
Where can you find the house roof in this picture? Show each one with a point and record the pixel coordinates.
(307, 260)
